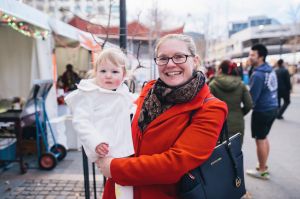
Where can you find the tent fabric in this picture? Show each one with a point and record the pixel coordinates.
(15, 63)
(22, 63)
(78, 57)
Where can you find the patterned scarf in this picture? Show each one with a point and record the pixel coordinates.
(162, 97)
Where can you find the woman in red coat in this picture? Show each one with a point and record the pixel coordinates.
(175, 128)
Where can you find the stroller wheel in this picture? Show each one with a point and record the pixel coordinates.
(47, 161)
(60, 150)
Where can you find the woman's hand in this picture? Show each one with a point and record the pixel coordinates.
(104, 165)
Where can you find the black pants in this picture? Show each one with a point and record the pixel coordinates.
(286, 102)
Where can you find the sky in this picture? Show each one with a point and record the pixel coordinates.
(211, 16)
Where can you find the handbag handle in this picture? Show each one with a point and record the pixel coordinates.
(224, 135)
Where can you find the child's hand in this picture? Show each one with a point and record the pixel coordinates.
(102, 150)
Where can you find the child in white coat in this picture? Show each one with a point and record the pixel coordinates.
(101, 112)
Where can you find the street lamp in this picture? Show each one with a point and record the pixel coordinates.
(123, 25)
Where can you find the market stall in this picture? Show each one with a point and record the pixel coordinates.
(25, 56)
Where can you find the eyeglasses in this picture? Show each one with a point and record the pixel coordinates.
(177, 59)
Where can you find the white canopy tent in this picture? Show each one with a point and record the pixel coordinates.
(24, 59)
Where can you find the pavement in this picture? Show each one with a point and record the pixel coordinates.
(66, 180)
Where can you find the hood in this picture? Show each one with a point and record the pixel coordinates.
(264, 68)
(90, 85)
(227, 82)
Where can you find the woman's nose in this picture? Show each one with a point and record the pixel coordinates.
(170, 63)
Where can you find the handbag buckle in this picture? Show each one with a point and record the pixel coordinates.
(238, 182)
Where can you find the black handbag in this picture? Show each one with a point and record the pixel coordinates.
(221, 176)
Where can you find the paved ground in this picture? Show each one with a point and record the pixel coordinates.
(66, 180)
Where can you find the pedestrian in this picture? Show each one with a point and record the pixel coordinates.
(101, 112)
(284, 88)
(263, 89)
(175, 128)
(228, 87)
(70, 78)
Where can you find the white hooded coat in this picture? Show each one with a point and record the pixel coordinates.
(102, 116)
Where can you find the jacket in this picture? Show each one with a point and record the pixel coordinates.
(284, 82)
(102, 116)
(169, 147)
(263, 88)
(231, 90)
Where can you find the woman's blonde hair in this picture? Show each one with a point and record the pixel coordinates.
(112, 55)
(185, 38)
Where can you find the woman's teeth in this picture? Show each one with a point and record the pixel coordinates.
(173, 73)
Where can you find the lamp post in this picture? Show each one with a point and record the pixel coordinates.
(123, 25)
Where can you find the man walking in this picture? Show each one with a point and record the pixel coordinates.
(263, 89)
(284, 88)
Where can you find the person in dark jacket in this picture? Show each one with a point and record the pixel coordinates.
(70, 78)
(263, 89)
(284, 88)
(228, 87)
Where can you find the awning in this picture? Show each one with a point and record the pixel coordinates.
(64, 34)
(25, 12)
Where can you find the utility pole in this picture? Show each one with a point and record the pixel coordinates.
(123, 25)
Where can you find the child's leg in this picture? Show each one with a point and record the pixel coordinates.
(123, 192)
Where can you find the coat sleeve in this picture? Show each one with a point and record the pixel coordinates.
(288, 81)
(247, 101)
(191, 149)
(89, 136)
(256, 87)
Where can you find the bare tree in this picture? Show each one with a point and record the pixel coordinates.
(294, 14)
(106, 29)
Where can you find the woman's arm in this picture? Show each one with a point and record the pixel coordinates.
(192, 148)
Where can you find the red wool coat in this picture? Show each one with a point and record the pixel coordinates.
(169, 147)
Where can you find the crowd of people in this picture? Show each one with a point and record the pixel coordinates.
(177, 118)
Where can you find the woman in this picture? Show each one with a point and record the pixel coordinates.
(175, 128)
(228, 87)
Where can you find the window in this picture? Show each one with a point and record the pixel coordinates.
(89, 9)
(100, 9)
(51, 9)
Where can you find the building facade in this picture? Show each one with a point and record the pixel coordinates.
(235, 27)
(282, 41)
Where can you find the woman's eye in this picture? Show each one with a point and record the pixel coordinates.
(163, 58)
(178, 56)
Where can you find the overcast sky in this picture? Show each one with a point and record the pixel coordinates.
(198, 13)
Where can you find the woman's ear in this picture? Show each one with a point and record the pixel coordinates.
(196, 61)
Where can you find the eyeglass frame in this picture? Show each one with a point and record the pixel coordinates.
(186, 56)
